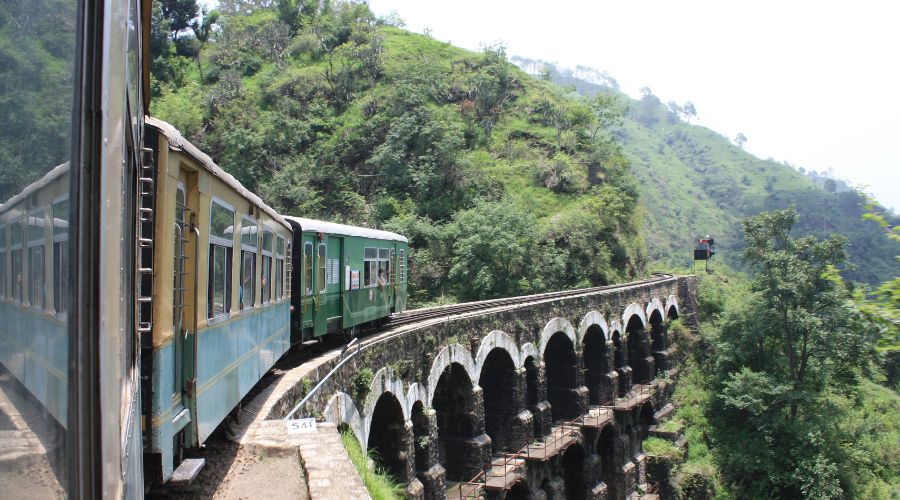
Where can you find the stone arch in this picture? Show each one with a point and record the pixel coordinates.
(606, 448)
(498, 380)
(672, 306)
(572, 462)
(528, 350)
(497, 340)
(562, 371)
(639, 355)
(590, 319)
(596, 355)
(450, 354)
(342, 410)
(462, 445)
(423, 446)
(557, 325)
(620, 357)
(387, 434)
(385, 380)
(654, 306)
(415, 393)
(634, 310)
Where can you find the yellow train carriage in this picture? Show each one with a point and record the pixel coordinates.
(219, 301)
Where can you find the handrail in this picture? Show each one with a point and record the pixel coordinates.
(324, 379)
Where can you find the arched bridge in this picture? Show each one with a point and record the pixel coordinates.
(557, 394)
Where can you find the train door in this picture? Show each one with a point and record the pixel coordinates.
(179, 297)
(320, 326)
(309, 301)
(333, 285)
(184, 303)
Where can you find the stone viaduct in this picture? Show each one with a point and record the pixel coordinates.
(441, 401)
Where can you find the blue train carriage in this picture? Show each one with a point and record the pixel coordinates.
(345, 278)
(220, 308)
(34, 243)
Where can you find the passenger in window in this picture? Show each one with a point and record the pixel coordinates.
(381, 280)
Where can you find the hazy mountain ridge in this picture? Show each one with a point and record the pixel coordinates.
(695, 181)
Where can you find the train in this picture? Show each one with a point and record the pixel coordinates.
(143, 290)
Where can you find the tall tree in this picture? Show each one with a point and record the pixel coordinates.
(793, 339)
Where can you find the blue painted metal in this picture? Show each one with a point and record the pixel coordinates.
(34, 348)
(233, 356)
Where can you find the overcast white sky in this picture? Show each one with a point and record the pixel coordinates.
(812, 83)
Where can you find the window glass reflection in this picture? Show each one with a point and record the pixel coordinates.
(37, 50)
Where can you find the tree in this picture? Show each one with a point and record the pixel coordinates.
(740, 139)
(793, 339)
(179, 14)
(689, 111)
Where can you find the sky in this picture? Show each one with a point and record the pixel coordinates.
(811, 83)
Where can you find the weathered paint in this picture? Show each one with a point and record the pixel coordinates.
(34, 348)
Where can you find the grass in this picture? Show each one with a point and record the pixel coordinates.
(380, 484)
(659, 447)
(671, 425)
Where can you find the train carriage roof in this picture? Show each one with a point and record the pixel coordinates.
(343, 229)
(177, 141)
(55, 173)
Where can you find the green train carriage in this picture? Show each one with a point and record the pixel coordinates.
(345, 278)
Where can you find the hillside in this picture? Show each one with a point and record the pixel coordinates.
(504, 183)
(695, 181)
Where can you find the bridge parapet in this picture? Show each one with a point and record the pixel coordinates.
(455, 390)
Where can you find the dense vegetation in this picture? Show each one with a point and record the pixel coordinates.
(503, 183)
(694, 181)
(36, 83)
(781, 399)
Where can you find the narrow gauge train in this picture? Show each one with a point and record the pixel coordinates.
(350, 277)
(212, 303)
(218, 311)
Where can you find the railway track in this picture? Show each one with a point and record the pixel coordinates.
(416, 315)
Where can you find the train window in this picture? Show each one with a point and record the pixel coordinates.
(60, 218)
(370, 257)
(249, 245)
(221, 243)
(266, 278)
(35, 233)
(222, 222)
(384, 266)
(323, 254)
(248, 279)
(219, 299)
(249, 233)
(402, 264)
(2, 261)
(279, 268)
(307, 268)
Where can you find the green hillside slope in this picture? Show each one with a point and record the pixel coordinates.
(505, 184)
(695, 181)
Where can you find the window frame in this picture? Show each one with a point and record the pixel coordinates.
(227, 247)
(266, 260)
(4, 252)
(32, 246)
(308, 269)
(401, 262)
(370, 268)
(278, 285)
(322, 266)
(60, 265)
